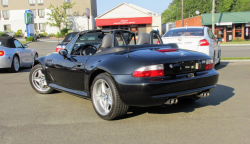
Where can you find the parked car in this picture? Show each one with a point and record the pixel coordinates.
(66, 40)
(199, 39)
(10, 34)
(115, 75)
(14, 55)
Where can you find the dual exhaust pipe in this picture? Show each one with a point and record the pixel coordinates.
(175, 100)
(204, 94)
(171, 101)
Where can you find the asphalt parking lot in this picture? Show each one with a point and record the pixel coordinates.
(28, 117)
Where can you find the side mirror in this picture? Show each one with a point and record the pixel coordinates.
(63, 52)
(25, 46)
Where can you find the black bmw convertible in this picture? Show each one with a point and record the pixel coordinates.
(115, 71)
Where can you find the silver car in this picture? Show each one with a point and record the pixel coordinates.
(14, 55)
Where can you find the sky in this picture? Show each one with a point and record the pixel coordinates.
(153, 5)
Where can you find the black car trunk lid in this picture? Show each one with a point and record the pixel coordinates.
(175, 61)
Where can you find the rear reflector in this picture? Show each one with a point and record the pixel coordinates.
(1, 53)
(166, 50)
(149, 71)
(209, 64)
(203, 42)
(157, 42)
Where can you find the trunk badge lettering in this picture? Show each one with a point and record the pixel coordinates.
(171, 66)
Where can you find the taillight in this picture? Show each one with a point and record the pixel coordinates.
(209, 64)
(1, 53)
(58, 48)
(157, 42)
(203, 42)
(149, 71)
(166, 50)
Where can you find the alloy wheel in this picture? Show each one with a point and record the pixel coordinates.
(39, 81)
(102, 97)
(16, 64)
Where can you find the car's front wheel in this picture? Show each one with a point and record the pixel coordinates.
(38, 80)
(105, 98)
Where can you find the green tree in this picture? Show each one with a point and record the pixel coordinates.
(173, 12)
(58, 16)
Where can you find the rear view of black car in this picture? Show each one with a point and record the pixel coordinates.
(115, 71)
(66, 40)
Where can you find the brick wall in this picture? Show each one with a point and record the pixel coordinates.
(193, 21)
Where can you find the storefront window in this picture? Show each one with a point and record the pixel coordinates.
(219, 32)
(237, 30)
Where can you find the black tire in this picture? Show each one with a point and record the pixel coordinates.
(35, 84)
(35, 57)
(13, 69)
(117, 109)
(219, 56)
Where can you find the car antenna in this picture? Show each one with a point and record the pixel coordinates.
(128, 53)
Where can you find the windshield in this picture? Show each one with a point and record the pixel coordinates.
(69, 37)
(185, 32)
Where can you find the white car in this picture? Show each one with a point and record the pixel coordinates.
(199, 39)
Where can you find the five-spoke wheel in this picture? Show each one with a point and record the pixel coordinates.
(105, 98)
(38, 80)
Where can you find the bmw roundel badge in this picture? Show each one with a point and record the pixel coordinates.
(182, 54)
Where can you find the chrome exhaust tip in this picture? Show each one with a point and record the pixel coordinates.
(171, 101)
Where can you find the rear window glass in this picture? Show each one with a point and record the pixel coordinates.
(185, 32)
(69, 37)
(91, 37)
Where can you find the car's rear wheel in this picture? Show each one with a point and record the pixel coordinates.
(105, 98)
(15, 65)
(38, 80)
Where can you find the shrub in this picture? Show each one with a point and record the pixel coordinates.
(58, 35)
(51, 35)
(63, 31)
(3, 34)
(238, 40)
(41, 35)
(19, 33)
(45, 34)
(30, 38)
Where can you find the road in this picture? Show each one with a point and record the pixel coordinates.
(28, 117)
(235, 51)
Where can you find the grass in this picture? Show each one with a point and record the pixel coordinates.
(242, 42)
(23, 42)
(236, 58)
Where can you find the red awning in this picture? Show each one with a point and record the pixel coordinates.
(123, 21)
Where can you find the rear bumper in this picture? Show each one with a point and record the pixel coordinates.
(5, 61)
(151, 92)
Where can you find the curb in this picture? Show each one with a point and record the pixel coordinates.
(28, 42)
(236, 60)
(234, 44)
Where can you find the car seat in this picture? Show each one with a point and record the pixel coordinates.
(106, 42)
(143, 38)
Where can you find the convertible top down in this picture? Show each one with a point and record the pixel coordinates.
(115, 71)
(14, 55)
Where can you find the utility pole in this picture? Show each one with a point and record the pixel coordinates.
(182, 23)
(213, 9)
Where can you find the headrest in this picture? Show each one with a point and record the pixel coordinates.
(106, 41)
(143, 38)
